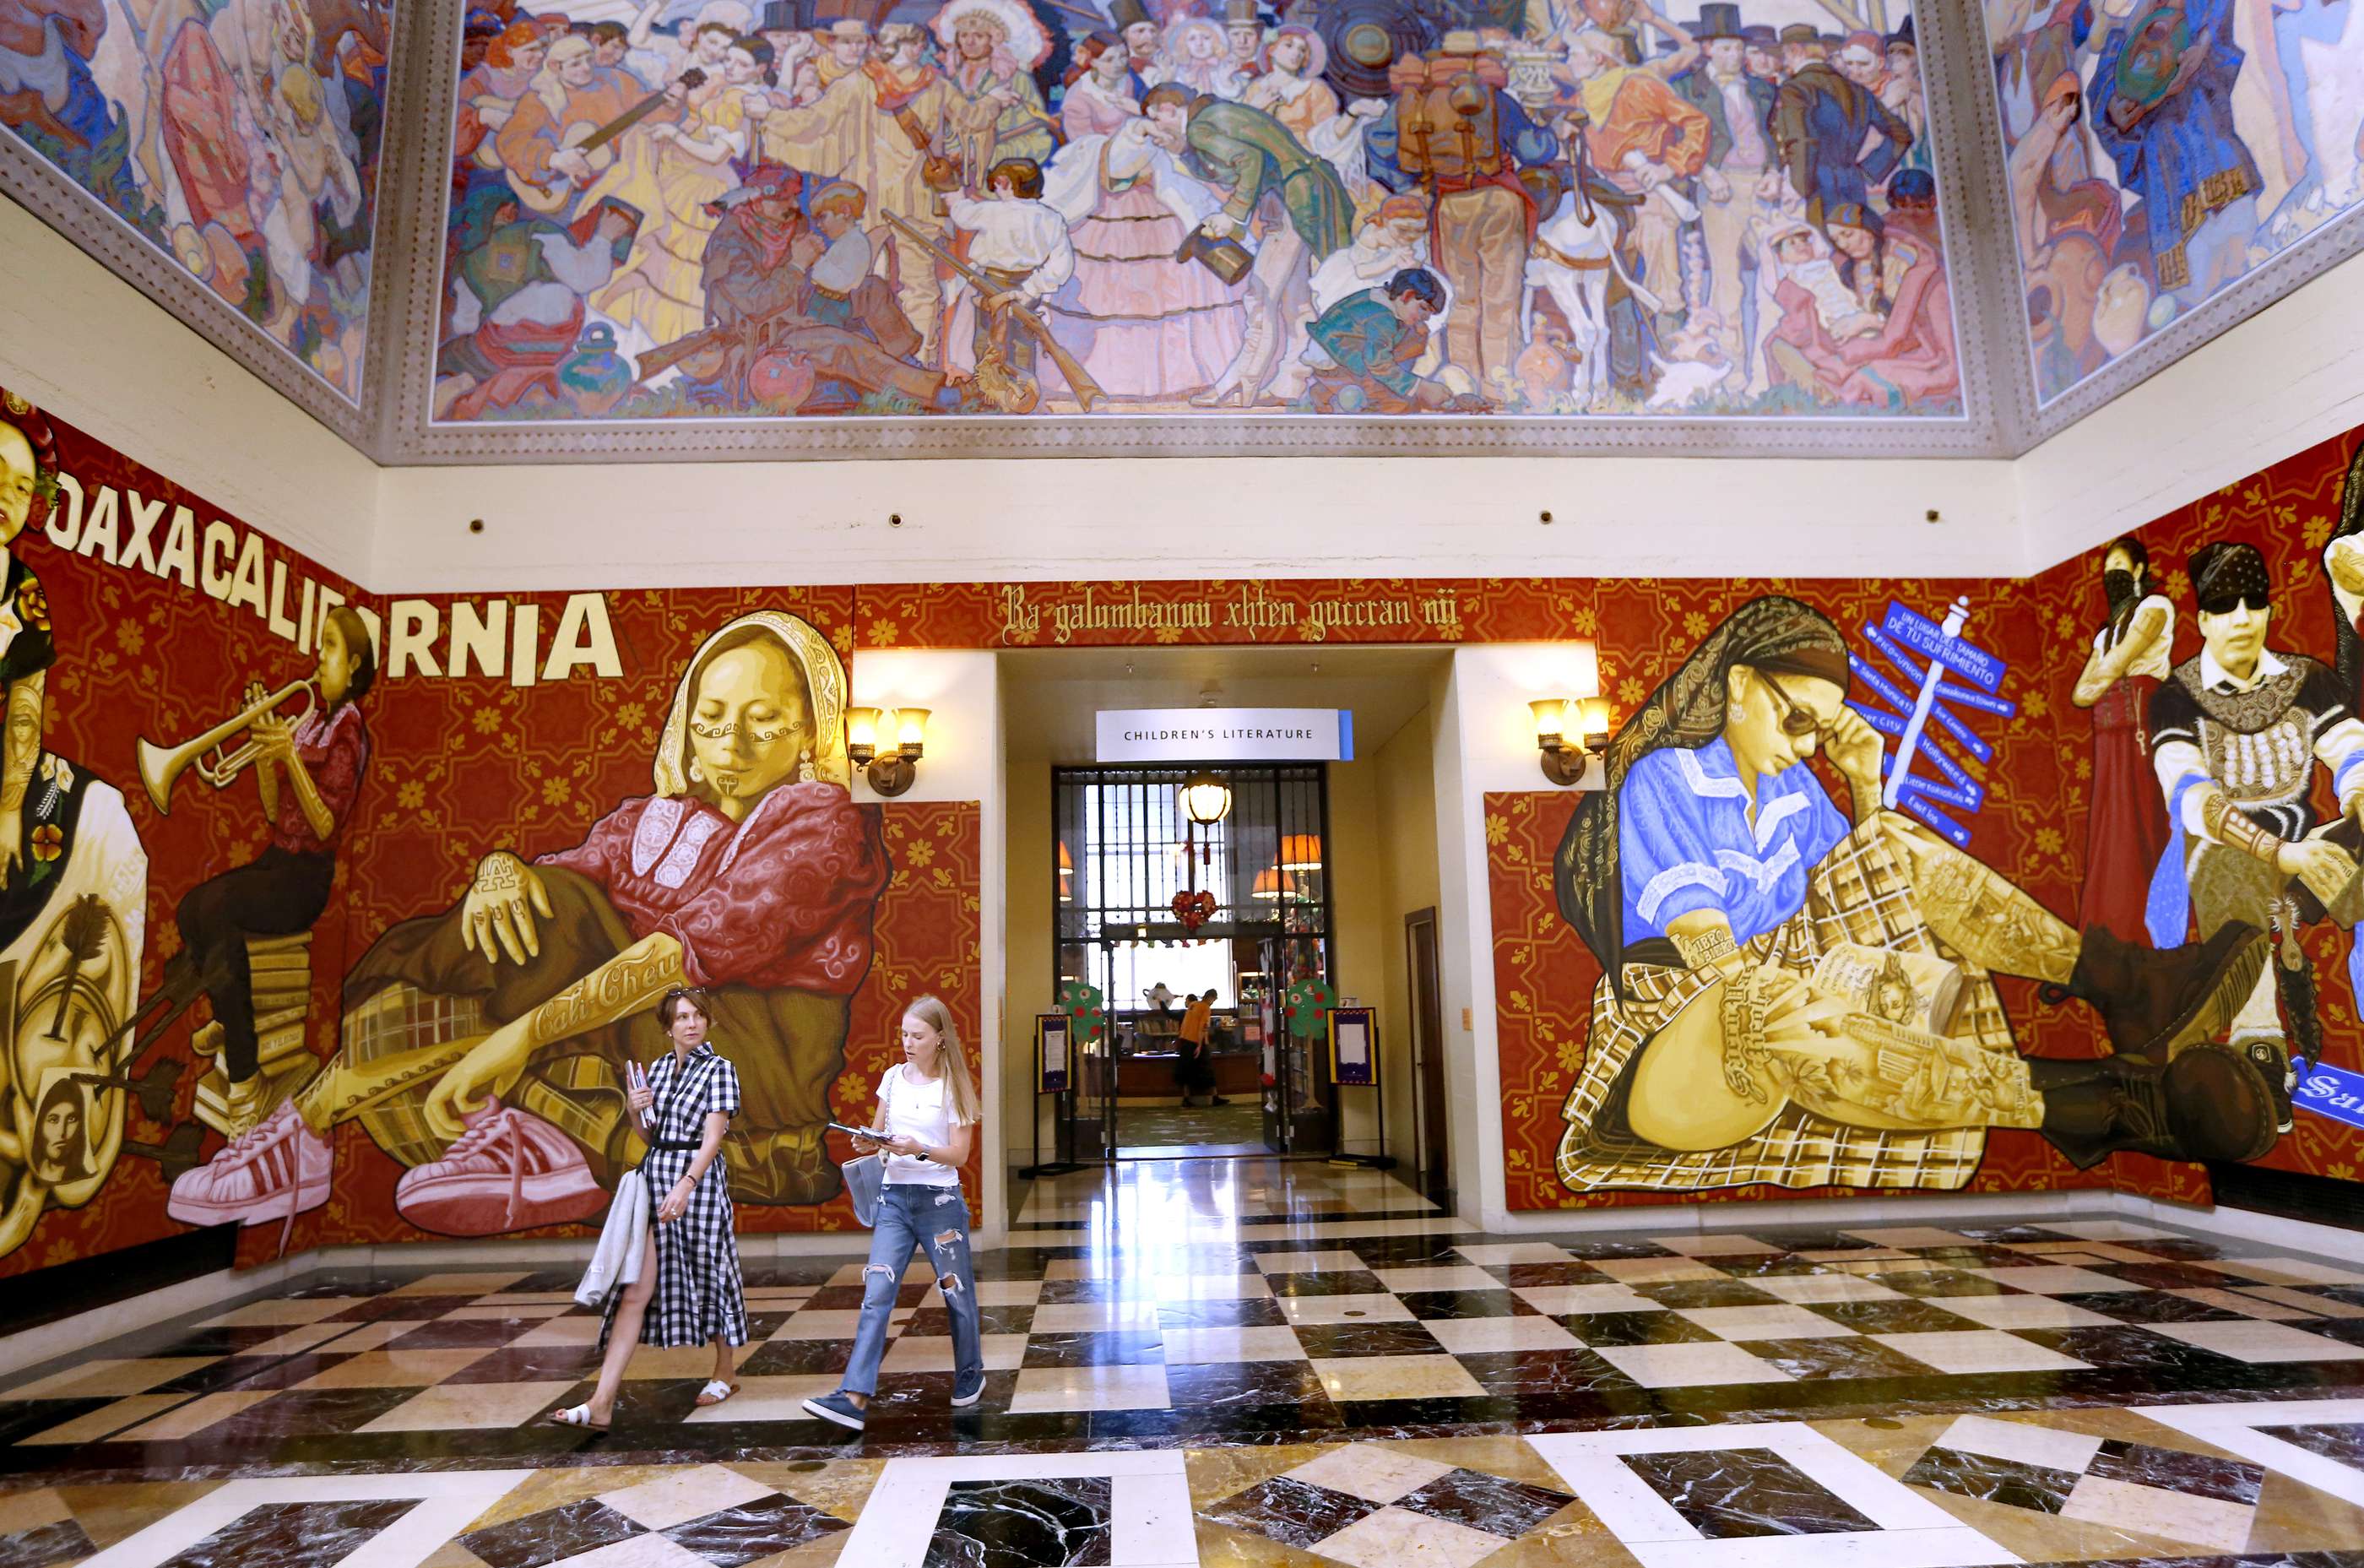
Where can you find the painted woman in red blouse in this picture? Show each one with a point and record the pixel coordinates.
(484, 1047)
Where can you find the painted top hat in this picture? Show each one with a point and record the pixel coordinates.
(783, 17)
(1800, 33)
(1717, 22)
(1129, 13)
(1240, 13)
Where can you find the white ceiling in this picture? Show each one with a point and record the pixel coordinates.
(1049, 695)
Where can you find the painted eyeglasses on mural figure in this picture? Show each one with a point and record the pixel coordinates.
(486, 1048)
(1385, 207)
(1798, 997)
(73, 897)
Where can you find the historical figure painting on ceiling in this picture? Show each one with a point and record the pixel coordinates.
(240, 136)
(758, 209)
(2160, 150)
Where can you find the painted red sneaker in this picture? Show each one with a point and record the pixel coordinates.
(509, 1171)
(274, 1173)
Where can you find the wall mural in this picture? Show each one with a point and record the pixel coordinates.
(2158, 150)
(238, 137)
(1013, 206)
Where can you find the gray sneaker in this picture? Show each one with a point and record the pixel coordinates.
(968, 1389)
(837, 1407)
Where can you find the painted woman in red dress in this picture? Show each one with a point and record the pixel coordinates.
(2125, 827)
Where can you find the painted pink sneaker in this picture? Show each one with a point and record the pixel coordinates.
(274, 1173)
(510, 1171)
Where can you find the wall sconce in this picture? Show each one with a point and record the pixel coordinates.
(1569, 732)
(890, 772)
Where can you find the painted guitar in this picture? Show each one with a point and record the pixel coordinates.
(550, 196)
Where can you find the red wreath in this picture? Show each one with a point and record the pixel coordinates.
(1194, 909)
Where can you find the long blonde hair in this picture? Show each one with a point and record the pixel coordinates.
(952, 1064)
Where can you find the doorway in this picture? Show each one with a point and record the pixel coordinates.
(1197, 1059)
(1432, 1158)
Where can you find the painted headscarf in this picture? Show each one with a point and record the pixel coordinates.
(824, 678)
(1777, 635)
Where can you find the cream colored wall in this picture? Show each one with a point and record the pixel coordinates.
(86, 345)
(1026, 786)
(1405, 765)
(1357, 876)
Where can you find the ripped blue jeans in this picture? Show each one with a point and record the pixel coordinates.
(935, 1220)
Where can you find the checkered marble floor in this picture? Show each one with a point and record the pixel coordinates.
(1294, 1371)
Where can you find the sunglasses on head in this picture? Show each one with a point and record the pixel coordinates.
(1796, 718)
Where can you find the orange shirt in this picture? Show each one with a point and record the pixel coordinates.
(1194, 1021)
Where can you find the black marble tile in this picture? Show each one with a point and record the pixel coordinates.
(373, 1309)
(1099, 1349)
(1490, 1503)
(1323, 1340)
(2128, 1348)
(1579, 1274)
(2162, 1276)
(757, 1529)
(1602, 1246)
(2006, 1481)
(1290, 1512)
(2150, 1306)
(1726, 1493)
(467, 1333)
(63, 1541)
(260, 1371)
(789, 1358)
(1258, 1312)
(1635, 1328)
(1464, 1304)
(1328, 1282)
(1219, 1383)
(2344, 1443)
(1910, 1316)
(1059, 1523)
(2174, 1470)
(294, 1535)
(1837, 1358)
(531, 1363)
(303, 1412)
(538, 1539)
(1064, 1291)
(1705, 1293)
(1939, 1282)
(1407, 1251)
(1527, 1374)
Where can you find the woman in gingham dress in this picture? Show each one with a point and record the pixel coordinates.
(688, 1292)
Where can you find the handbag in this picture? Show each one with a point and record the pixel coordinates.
(865, 1177)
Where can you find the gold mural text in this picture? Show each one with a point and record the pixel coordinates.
(1254, 607)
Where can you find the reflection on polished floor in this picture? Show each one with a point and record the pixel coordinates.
(1250, 1362)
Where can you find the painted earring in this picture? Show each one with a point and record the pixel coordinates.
(696, 774)
(1732, 710)
(806, 772)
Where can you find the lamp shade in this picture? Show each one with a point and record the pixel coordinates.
(1550, 716)
(862, 729)
(1596, 716)
(1271, 884)
(1207, 798)
(912, 729)
(1301, 851)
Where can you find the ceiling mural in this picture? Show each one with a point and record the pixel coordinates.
(755, 210)
(240, 138)
(2159, 150)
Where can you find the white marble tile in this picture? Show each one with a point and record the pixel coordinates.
(1654, 1271)
(1783, 1321)
(686, 1495)
(2267, 1308)
(299, 1339)
(189, 1419)
(1090, 1388)
(1088, 1317)
(1304, 1309)
(1701, 1365)
(2020, 1311)
(1496, 1253)
(2055, 1279)
(1819, 1290)
(1979, 1350)
(2260, 1342)
(394, 1369)
(2211, 1522)
(1186, 1347)
(1476, 1336)
(1330, 1260)
(917, 1273)
(1396, 1377)
(500, 1311)
(1206, 1287)
(1725, 1245)
(934, 1353)
(1449, 1277)
(448, 1502)
(767, 1399)
(1376, 1472)
(636, 1551)
(2292, 1295)
(92, 1426)
(561, 1299)
(2234, 1427)
(2107, 1230)
(2027, 1442)
(274, 1313)
(1396, 1538)
(1911, 1236)
(2287, 1271)
(991, 1293)
(558, 1331)
(1561, 1301)
(381, 1333)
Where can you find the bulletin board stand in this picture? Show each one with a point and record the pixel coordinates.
(1054, 1075)
(1366, 1019)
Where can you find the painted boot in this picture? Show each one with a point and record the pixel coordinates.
(2211, 1104)
(2270, 1055)
(2155, 1002)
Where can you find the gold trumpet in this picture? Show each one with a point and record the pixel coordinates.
(161, 766)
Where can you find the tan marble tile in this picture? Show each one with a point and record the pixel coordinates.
(2294, 1517)
(300, 1338)
(1508, 1457)
(393, 1369)
(559, 1331)
(2038, 1536)
(1399, 1538)
(689, 1492)
(30, 1510)
(1377, 1472)
(275, 1312)
(1473, 1336)
(194, 1417)
(109, 1514)
(1440, 1277)
(98, 1379)
(1091, 1388)
(1396, 1377)
(837, 1488)
(768, 1399)
(451, 1554)
(675, 1361)
(1190, 1347)
(471, 1405)
(820, 1554)
(2181, 1517)
(558, 1485)
(1221, 1547)
(107, 1420)
(1895, 1446)
(1655, 1270)
(934, 1353)
(1218, 1473)
(461, 1284)
(1572, 1537)
(2287, 1295)
(1336, 1259)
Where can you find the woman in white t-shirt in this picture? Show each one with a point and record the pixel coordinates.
(928, 1108)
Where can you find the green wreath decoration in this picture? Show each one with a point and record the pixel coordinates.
(1082, 1004)
(1305, 1006)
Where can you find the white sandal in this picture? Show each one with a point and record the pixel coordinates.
(715, 1392)
(575, 1416)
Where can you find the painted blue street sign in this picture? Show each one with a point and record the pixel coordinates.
(2333, 1092)
(1926, 637)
